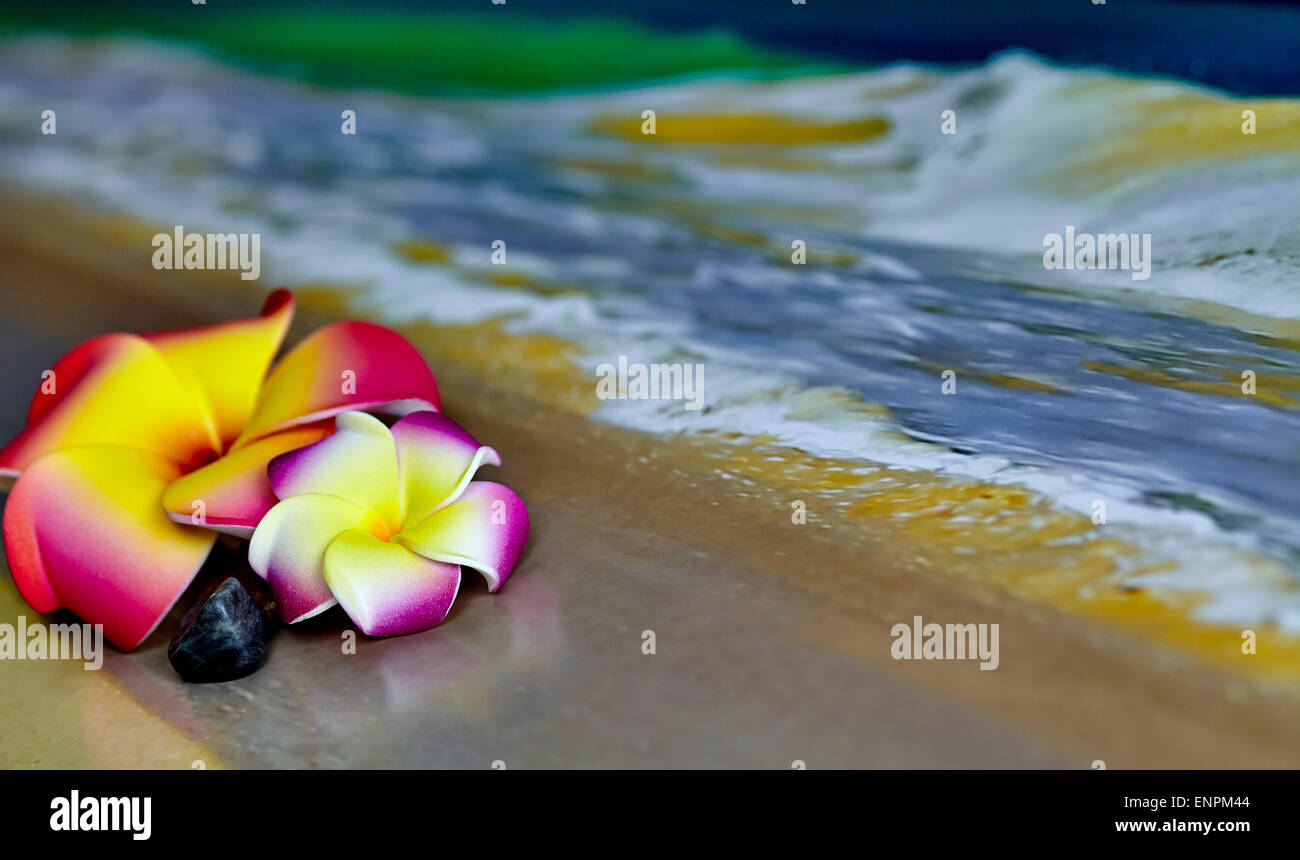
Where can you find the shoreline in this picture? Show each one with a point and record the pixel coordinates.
(788, 624)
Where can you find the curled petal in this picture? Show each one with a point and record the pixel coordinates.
(226, 363)
(436, 459)
(288, 548)
(485, 529)
(232, 494)
(84, 529)
(344, 366)
(387, 589)
(357, 463)
(115, 390)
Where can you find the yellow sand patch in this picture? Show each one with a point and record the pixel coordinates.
(730, 234)
(1280, 332)
(828, 402)
(325, 298)
(1021, 383)
(763, 129)
(510, 279)
(539, 366)
(124, 230)
(1266, 385)
(422, 251)
(815, 257)
(1165, 133)
(514, 279)
(1002, 380)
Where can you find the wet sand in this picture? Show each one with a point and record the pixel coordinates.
(773, 639)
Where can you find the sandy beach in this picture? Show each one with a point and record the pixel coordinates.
(773, 639)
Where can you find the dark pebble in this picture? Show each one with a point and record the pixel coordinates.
(223, 637)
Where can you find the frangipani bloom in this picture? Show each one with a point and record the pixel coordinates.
(380, 521)
(133, 441)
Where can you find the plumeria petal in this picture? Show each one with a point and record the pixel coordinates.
(226, 363)
(485, 529)
(436, 459)
(347, 365)
(90, 358)
(357, 463)
(116, 390)
(387, 589)
(232, 494)
(288, 548)
(84, 529)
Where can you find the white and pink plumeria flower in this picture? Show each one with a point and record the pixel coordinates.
(381, 521)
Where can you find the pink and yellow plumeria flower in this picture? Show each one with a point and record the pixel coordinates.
(380, 521)
(135, 440)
